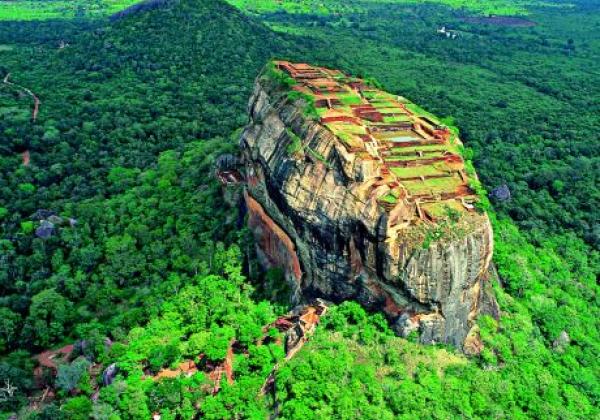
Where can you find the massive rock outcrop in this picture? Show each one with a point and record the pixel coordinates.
(359, 194)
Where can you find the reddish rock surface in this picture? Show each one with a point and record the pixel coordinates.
(274, 244)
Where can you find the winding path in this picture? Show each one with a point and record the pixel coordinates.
(36, 100)
(26, 157)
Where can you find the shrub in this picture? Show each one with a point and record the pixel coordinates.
(70, 376)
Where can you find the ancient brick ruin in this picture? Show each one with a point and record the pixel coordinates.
(378, 126)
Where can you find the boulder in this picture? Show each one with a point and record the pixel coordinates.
(501, 193)
(561, 342)
(45, 230)
(109, 374)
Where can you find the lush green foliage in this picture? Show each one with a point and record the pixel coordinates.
(111, 102)
(133, 116)
(109, 106)
(20, 10)
(326, 7)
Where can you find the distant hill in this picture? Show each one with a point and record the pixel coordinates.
(169, 65)
(112, 100)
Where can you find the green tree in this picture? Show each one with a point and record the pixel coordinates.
(9, 325)
(49, 316)
(70, 376)
(78, 408)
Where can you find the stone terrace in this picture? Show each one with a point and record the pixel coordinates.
(414, 159)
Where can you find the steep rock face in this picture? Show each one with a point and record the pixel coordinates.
(343, 226)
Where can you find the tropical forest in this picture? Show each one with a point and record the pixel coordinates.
(299, 209)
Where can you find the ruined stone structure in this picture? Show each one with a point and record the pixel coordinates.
(357, 194)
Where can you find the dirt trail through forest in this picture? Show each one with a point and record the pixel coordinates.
(36, 100)
(26, 157)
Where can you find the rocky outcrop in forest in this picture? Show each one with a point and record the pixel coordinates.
(359, 194)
